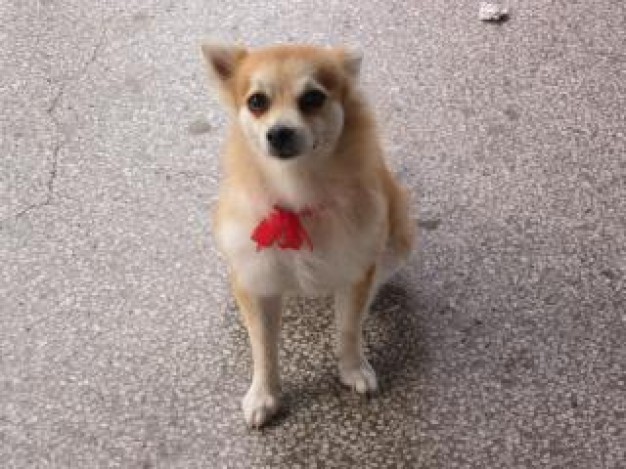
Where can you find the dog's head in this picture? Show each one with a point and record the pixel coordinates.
(289, 100)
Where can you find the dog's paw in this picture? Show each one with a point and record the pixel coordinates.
(259, 407)
(360, 377)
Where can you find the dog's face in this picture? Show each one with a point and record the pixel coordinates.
(288, 100)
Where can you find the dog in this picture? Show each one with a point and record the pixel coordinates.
(308, 204)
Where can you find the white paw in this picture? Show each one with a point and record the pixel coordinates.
(360, 377)
(259, 407)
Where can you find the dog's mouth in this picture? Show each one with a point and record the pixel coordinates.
(284, 153)
(288, 153)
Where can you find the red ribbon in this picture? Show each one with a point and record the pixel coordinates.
(283, 228)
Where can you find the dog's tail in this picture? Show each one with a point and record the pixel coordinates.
(402, 232)
(401, 225)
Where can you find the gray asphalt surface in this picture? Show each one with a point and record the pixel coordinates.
(501, 346)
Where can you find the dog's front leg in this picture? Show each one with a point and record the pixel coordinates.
(262, 316)
(351, 305)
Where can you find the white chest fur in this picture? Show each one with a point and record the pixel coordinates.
(346, 241)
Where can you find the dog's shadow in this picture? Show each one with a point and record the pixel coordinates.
(393, 335)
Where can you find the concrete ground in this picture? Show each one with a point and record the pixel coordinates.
(503, 345)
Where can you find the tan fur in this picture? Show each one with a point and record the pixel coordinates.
(352, 304)
(361, 230)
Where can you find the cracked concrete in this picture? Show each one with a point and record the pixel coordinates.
(501, 345)
(51, 110)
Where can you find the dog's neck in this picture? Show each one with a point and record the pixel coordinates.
(293, 186)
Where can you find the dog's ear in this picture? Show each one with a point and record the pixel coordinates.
(351, 61)
(222, 62)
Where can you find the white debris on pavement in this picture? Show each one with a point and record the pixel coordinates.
(492, 12)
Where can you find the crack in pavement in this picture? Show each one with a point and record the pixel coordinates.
(52, 174)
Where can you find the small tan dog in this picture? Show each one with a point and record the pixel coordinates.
(307, 206)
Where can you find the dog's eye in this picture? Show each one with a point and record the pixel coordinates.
(258, 103)
(311, 100)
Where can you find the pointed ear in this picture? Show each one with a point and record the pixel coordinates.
(351, 61)
(223, 60)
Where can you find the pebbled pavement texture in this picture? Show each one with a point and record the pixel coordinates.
(503, 345)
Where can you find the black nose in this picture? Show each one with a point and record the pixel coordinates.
(283, 141)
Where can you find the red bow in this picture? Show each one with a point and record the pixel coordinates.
(284, 228)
